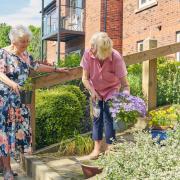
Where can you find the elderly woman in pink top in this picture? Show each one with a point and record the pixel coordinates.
(104, 73)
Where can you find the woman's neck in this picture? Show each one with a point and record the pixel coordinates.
(12, 49)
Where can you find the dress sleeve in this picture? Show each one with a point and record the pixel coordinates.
(3, 62)
(120, 66)
(84, 62)
(33, 64)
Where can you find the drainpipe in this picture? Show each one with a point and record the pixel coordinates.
(105, 14)
(59, 30)
(42, 31)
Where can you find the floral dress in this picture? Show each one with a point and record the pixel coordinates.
(15, 130)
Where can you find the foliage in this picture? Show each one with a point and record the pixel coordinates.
(58, 115)
(75, 90)
(27, 86)
(165, 117)
(168, 81)
(34, 47)
(4, 32)
(72, 60)
(126, 108)
(79, 145)
(144, 159)
(168, 77)
(135, 79)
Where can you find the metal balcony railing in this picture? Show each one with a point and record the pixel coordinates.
(72, 18)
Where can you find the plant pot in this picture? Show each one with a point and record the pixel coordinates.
(160, 134)
(90, 171)
(25, 96)
(119, 126)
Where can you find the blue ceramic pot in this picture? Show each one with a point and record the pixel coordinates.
(160, 134)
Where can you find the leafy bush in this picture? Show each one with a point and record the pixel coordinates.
(135, 79)
(168, 76)
(58, 115)
(168, 81)
(144, 159)
(72, 60)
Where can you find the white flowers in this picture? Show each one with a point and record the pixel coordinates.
(144, 159)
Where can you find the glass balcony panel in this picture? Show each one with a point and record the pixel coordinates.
(72, 18)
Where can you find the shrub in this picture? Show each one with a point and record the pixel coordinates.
(144, 159)
(168, 77)
(72, 60)
(58, 115)
(135, 79)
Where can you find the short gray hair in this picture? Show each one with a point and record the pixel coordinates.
(18, 32)
(102, 43)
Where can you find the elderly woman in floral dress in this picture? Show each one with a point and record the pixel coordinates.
(104, 74)
(15, 65)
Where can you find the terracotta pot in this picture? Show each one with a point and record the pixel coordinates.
(90, 171)
(25, 96)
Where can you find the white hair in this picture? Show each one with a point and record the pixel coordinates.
(18, 32)
(102, 44)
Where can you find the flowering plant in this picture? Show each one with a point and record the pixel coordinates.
(126, 108)
(168, 117)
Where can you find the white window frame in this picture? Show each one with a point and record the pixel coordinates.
(146, 3)
(178, 40)
(139, 44)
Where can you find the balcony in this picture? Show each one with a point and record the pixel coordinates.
(71, 21)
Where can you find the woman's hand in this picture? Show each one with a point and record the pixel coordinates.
(95, 96)
(62, 70)
(15, 87)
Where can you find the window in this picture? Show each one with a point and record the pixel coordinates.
(178, 40)
(140, 46)
(143, 3)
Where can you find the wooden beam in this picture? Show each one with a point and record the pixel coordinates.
(149, 77)
(152, 54)
(57, 78)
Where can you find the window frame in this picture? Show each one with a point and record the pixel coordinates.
(139, 43)
(147, 3)
(178, 40)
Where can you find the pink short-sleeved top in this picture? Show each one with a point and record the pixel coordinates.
(104, 79)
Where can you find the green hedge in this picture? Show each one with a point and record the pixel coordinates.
(58, 114)
(168, 81)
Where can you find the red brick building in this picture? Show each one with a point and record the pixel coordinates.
(127, 22)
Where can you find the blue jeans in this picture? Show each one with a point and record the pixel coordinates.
(105, 119)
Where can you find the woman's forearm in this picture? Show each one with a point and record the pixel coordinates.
(6, 80)
(45, 68)
(87, 85)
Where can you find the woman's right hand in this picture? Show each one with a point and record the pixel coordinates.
(95, 96)
(15, 87)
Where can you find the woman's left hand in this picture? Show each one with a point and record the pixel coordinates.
(66, 70)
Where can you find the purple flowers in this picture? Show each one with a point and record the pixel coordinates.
(127, 108)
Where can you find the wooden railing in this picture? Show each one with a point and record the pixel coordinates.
(147, 57)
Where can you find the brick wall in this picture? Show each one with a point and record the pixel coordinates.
(114, 21)
(160, 22)
(92, 19)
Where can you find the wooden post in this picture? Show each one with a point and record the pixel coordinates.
(149, 76)
(33, 120)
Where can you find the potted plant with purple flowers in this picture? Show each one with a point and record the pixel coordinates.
(125, 109)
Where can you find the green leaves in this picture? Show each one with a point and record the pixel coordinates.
(58, 114)
(4, 32)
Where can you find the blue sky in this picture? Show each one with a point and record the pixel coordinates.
(23, 12)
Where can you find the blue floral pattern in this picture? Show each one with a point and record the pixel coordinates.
(15, 129)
